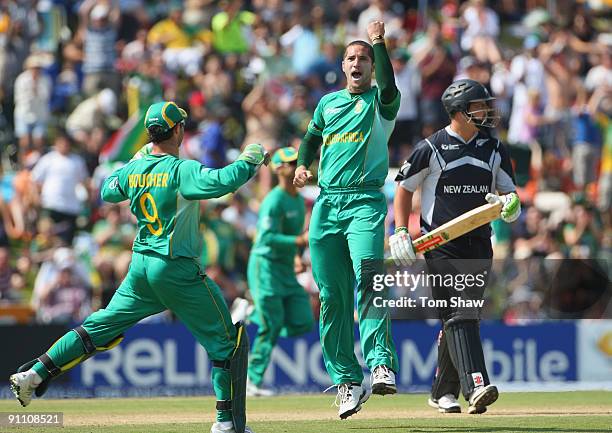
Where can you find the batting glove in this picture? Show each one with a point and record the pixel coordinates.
(400, 245)
(255, 154)
(511, 208)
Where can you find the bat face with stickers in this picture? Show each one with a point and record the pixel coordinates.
(457, 227)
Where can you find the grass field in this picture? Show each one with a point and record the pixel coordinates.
(578, 412)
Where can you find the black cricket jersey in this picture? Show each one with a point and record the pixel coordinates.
(456, 175)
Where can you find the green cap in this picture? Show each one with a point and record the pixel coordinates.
(285, 154)
(164, 114)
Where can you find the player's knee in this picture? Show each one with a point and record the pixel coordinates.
(459, 317)
(328, 299)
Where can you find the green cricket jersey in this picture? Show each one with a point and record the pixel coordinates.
(164, 191)
(281, 220)
(355, 129)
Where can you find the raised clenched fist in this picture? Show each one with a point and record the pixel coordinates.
(376, 31)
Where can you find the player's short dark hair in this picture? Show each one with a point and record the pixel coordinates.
(363, 44)
(157, 133)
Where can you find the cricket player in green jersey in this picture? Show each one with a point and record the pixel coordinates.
(282, 307)
(346, 231)
(164, 193)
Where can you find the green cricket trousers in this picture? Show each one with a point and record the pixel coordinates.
(282, 308)
(153, 284)
(346, 236)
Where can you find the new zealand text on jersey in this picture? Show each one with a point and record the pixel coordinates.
(466, 189)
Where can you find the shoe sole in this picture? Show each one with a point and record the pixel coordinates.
(16, 389)
(432, 404)
(485, 399)
(384, 389)
(456, 409)
(477, 410)
(362, 399)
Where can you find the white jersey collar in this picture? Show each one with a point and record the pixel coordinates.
(452, 133)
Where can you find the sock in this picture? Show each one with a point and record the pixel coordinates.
(37, 379)
(222, 384)
(61, 353)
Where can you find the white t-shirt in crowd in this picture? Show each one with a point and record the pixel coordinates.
(59, 175)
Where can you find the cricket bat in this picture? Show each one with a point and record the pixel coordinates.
(457, 226)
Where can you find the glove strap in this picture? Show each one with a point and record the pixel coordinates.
(401, 229)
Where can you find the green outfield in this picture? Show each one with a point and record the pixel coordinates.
(514, 412)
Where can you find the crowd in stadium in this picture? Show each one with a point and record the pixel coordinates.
(73, 73)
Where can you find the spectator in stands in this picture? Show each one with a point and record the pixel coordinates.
(99, 20)
(264, 124)
(93, 113)
(32, 96)
(408, 81)
(135, 51)
(481, 31)
(113, 234)
(302, 43)
(328, 69)
(180, 54)
(214, 83)
(562, 88)
(57, 175)
(585, 142)
(11, 282)
(230, 26)
(209, 145)
(12, 224)
(600, 75)
(437, 69)
(65, 299)
(532, 119)
(581, 232)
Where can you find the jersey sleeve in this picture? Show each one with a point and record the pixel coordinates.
(316, 125)
(415, 168)
(389, 111)
(196, 182)
(504, 178)
(111, 189)
(270, 225)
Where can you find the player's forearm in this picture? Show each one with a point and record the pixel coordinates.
(384, 73)
(222, 181)
(402, 206)
(200, 183)
(308, 149)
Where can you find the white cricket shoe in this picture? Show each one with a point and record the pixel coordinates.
(383, 381)
(24, 384)
(227, 427)
(447, 404)
(481, 398)
(253, 390)
(349, 399)
(432, 402)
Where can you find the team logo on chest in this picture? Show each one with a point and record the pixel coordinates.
(359, 106)
(450, 147)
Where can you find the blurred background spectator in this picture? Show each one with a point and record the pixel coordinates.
(253, 71)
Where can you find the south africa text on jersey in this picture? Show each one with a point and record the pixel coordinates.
(148, 180)
(346, 137)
